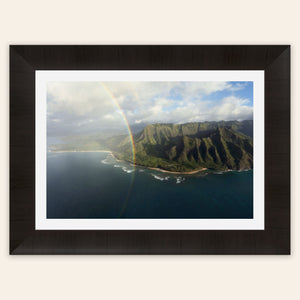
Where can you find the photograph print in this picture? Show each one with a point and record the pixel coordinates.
(149, 149)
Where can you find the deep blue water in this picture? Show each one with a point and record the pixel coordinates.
(94, 185)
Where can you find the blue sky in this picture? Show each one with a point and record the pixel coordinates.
(83, 107)
(240, 89)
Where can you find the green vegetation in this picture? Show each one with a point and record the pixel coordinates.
(185, 147)
(191, 146)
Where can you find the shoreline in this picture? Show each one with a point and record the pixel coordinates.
(179, 173)
(171, 172)
(91, 151)
(136, 165)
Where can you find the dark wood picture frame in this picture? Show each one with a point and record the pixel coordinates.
(25, 60)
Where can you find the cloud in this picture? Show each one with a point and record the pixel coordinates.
(93, 107)
(231, 108)
(238, 86)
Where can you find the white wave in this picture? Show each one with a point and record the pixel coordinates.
(126, 170)
(109, 159)
(117, 166)
(179, 179)
(160, 178)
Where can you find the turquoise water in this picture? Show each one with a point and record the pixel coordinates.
(94, 185)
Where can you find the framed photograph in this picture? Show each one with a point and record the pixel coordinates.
(149, 149)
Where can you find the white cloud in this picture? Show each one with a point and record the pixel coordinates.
(89, 107)
(232, 108)
(238, 86)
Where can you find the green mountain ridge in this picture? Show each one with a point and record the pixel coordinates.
(224, 145)
(191, 146)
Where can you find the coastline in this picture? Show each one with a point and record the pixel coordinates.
(170, 172)
(91, 151)
(178, 173)
(134, 165)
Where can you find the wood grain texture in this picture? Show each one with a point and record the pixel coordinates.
(275, 60)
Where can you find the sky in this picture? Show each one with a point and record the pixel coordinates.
(75, 108)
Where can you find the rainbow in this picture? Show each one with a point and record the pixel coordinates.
(113, 98)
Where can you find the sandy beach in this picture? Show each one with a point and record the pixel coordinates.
(135, 165)
(92, 151)
(178, 173)
(170, 172)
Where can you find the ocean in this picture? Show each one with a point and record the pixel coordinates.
(94, 185)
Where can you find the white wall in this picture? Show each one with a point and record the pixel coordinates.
(148, 22)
